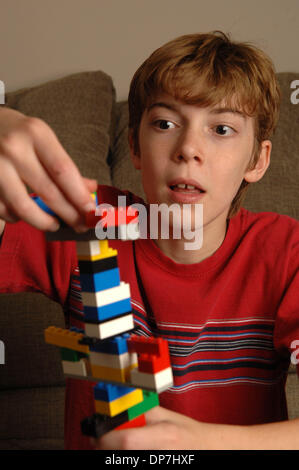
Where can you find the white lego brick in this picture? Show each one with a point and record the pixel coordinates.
(110, 328)
(129, 231)
(107, 296)
(88, 248)
(160, 381)
(116, 361)
(74, 367)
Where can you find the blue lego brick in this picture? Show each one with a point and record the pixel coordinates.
(107, 312)
(100, 281)
(95, 197)
(43, 206)
(110, 392)
(115, 345)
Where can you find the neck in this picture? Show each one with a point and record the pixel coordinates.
(175, 249)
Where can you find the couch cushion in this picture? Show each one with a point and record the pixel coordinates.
(79, 108)
(29, 361)
(32, 418)
(123, 173)
(279, 189)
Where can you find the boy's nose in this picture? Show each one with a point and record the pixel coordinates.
(189, 147)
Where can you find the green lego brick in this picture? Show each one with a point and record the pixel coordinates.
(71, 355)
(150, 400)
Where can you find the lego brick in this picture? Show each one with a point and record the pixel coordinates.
(105, 264)
(106, 312)
(119, 405)
(113, 216)
(93, 282)
(88, 248)
(65, 233)
(121, 232)
(128, 232)
(150, 400)
(43, 205)
(153, 354)
(151, 345)
(153, 364)
(110, 392)
(116, 345)
(71, 355)
(65, 339)
(107, 296)
(75, 368)
(100, 250)
(112, 373)
(160, 381)
(94, 196)
(99, 424)
(109, 328)
(134, 423)
(117, 361)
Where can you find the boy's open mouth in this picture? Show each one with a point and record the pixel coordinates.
(184, 185)
(187, 188)
(183, 190)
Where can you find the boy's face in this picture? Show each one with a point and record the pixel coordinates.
(208, 149)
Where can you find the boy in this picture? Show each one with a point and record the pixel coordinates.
(202, 110)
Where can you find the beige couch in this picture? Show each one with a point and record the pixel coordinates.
(93, 128)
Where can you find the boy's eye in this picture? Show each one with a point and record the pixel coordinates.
(164, 124)
(222, 129)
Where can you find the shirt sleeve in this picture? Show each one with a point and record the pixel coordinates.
(286, 332)
(29, 263)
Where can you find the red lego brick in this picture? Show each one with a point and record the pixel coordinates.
(153, 354)
(142, 345)
(153, 364)
(112, 217)
(134, 423)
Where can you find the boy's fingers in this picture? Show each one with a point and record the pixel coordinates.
(17, 204)
(61, 169)
(90, 184)
(41, 183)
(6, 215)
(160, 435)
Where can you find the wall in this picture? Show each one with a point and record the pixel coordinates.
(47, 39)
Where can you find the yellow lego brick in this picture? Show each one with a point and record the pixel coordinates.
(94, 196)
(65, 339)
(94, 250)
(111, 373)
(119, 405)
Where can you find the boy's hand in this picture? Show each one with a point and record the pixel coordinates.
(30, 154)
(165, 430)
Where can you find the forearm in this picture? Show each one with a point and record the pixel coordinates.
(280, 435)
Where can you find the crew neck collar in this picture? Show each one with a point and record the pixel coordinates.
(156, 255)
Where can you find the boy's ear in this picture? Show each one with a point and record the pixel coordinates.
(255, 174)
(134, 155)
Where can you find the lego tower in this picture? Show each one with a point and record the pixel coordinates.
(132, 370)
